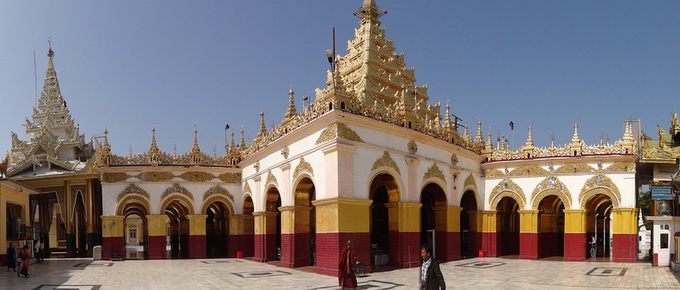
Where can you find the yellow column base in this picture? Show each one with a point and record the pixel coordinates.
(113, 226)
(528, 221)
(404, 216)
(197, 224)
(574, 221)
(625, 220)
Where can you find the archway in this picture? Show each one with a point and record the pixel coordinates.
(551, 227)
(383, 190)
(244, 238)
(273, 236)
(507, 224)
(217, 230)
(177, 228)
(80, 226)
(305, 224)
(599, 226)
(433, 219)
(470, 239)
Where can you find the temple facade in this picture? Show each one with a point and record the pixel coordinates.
(369, 160)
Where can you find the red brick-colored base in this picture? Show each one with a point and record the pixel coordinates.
(404, 249)
(490, 244)
(197, 246)
(575, 246)
(655, 261)
(624, 248)
(156, 248)
(265, 248)
(113, 246)
(243, 243)
(528, 246)
(447, 246)
(296, 250)
(329, 245)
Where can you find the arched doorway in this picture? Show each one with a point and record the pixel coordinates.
(305, 223)
(245, 237)
(136, 231)
(551, 227)
(177, 229)
(469, 234)
(599, 226)
(384, 190)
(217, 230)
(273, 236)
(80, 226)
(433, 219)
(508, 227)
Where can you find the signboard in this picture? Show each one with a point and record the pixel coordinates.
(662, 193)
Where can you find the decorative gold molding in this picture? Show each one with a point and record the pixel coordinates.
(507, 187)
(133, 189)
(176, 188)
(435, 172)
(218, 198)
(575, 168)
(230, 177)
(177, 197)
(121, 206)
(493, 172)
(111, 177)
(599, 184)
(246, 188)
(385, 160)
(156, 176)
(271, 180)
(338, 130)
(621, 166)
(551, 186)
(303, 166)
(412, 147)
(218, 190)
(470, 181)
(454, 159)
(528, 170)
(197, 176)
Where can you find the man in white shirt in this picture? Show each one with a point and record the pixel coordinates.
(430, 275)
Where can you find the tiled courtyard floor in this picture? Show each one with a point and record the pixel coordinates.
(484, 273)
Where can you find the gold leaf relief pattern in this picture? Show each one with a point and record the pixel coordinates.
(176, 188)
(111, 177)
(435, 172)
(470, 182)
(302, 167)
(551, 186)
(412, 147)
(133, 189)
(621, 166)
(528, 170)
(217, 190)
(599, 184)
(271, 179)
(197, 176)
(230, 177)
(246, 188)
(338, 130)
(122, 204)
(507, 188)
(386, 160)
(493, 172)
(156, 176)
(575, 168)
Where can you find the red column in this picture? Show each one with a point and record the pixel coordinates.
(575, 246)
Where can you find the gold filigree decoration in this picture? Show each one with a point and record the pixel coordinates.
(123, 204)
(435, 172)
(197, 176)
(493, 172)
(507, 188)
(176, 188)
(386, 160)
(217, 190)
(246, 189)
(470, 182)
(412, 147)
(285, 152)
(188, 204)
(599, 184)
(454, 159)
(575, 168)
(218, 198)
(133, 189)
(271, 180)
(111, 177)
(528, 170)
(303, 166)
(230, 177)
(156, 176)
(338, 130)
(551, 186)
(621, 166)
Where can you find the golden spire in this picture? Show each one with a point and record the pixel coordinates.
(447, 118)
(576, 142)
(50, 54)
(263, 127)
(530, 139)
(369, 11)
(480, 137)
(154, 152)
(628, 140)
(488, 147)
(575, 138)
(243, 140)
(195, 148)
(291, 104)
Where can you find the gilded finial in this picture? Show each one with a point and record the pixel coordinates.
(243, 140)
(575, 138)
(263, 126)
(530, 139)
(291, 111)
(480, 137)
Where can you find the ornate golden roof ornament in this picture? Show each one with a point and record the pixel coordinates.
(480, 137)
(263, 128)
(576, 143)
(154, 152)
(291, 112)
(196, 150)
(243, 140)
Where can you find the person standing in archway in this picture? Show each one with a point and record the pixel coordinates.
(11, 258)
(346, 277)
(431, 277)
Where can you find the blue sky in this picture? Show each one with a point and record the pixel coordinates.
(131, 65)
